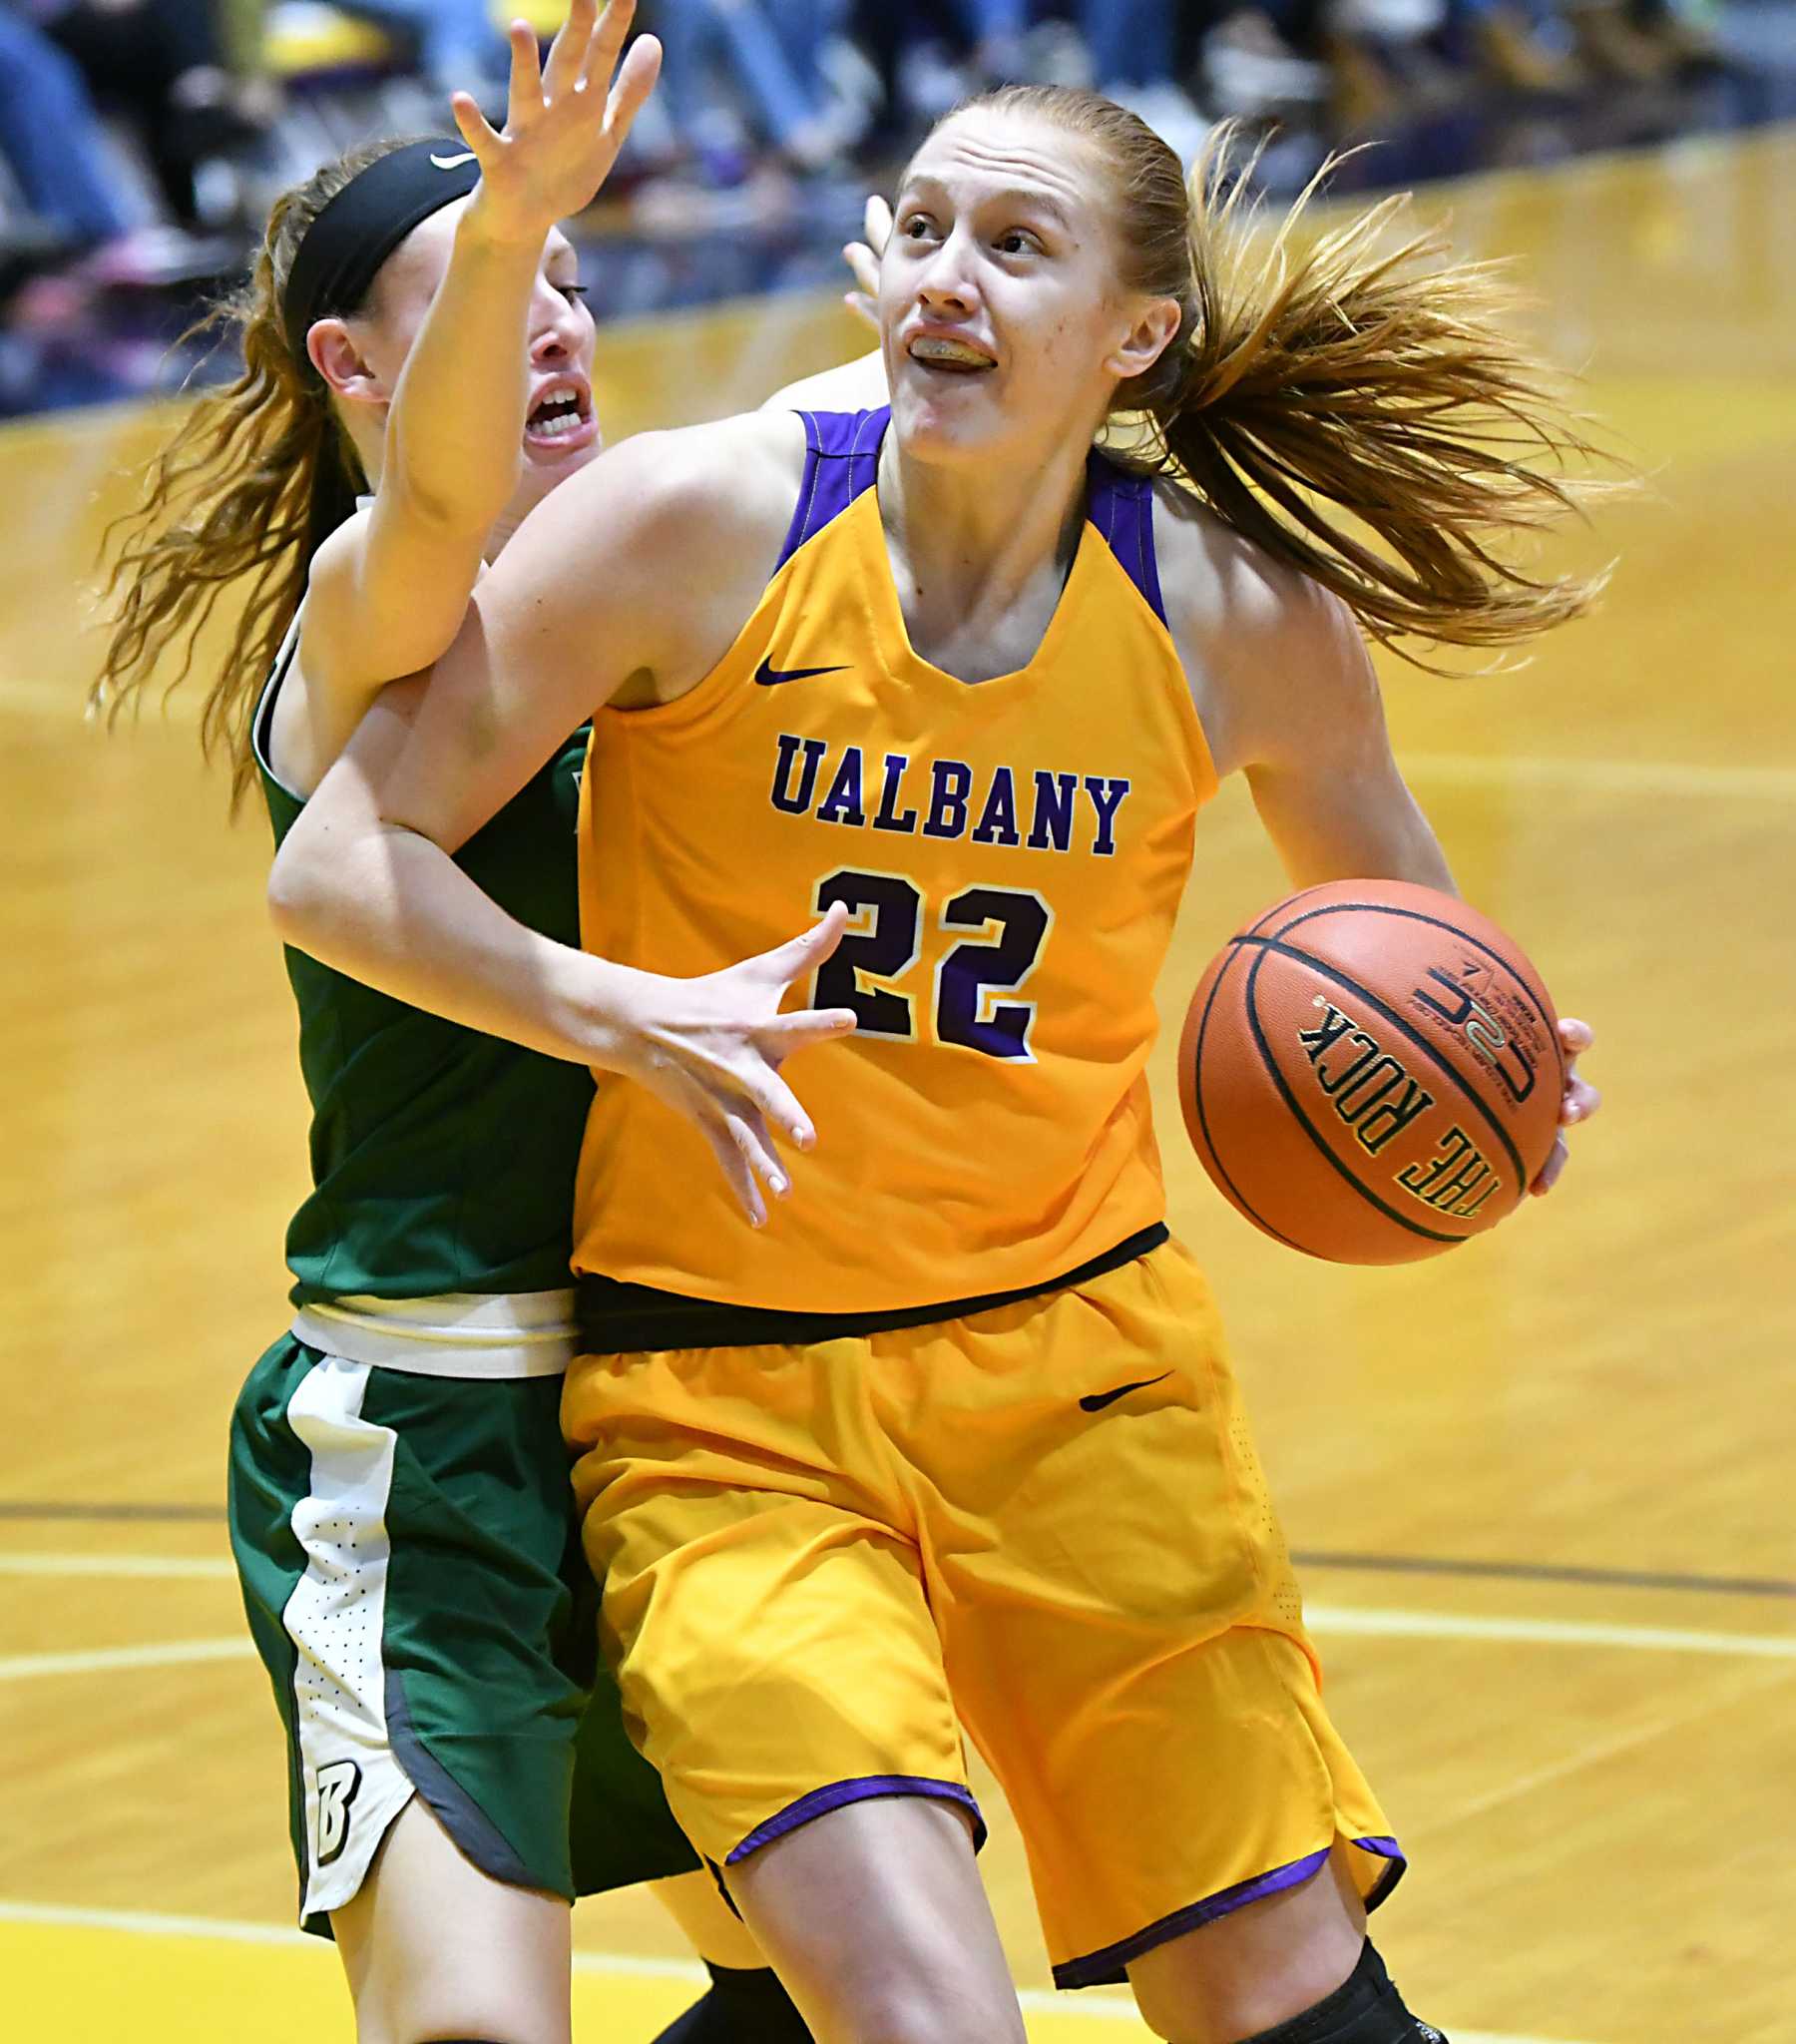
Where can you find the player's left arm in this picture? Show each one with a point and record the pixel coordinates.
(1301, 714)
(1317, 753)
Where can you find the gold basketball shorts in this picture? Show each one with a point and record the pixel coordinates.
(1045, 1521)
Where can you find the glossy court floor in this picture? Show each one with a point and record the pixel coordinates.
(1544, 1486)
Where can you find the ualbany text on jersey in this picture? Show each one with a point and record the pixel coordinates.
(1040, 807)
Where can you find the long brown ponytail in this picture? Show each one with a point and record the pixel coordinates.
(1361, 411)
(254, 479)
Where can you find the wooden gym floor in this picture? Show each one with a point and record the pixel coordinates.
(1544, 1486)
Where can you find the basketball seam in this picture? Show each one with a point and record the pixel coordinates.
(1303, 1120)
(1245, 1205)
(1420, 1041)
(1547, 1017)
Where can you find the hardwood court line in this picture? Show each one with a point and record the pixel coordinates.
(51, 697)
(1602, 776)
(102, 1660)
(1584, 1575)
(1342, 1620)
(1364, 1622)
(1594, 1754)
(1034, 2000)
(147, 1923)
(97, 1514)
(155, 1565)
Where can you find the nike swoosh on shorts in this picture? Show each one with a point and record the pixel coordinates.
(1095, 1401)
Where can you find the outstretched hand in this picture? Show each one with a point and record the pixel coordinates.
(862, 258)
(1580, 1101)
(563, 126)
(712, 1048)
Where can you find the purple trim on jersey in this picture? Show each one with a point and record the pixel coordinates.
(1120, 505)
(861, 1789)
(842, 459)
(1110, 1967)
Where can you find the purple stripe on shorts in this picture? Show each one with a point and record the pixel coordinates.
(1383, 1848)
(861, 1788)
(1108, 1967)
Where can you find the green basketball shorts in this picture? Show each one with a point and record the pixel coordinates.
(414, 1582)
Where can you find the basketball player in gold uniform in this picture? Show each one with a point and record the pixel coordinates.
(948, 1435)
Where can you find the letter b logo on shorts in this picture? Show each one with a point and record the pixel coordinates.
(337, 1784)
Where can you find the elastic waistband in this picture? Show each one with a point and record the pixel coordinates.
(616, 1319)
(453, 1335)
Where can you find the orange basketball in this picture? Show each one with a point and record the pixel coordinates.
(1371, 1072)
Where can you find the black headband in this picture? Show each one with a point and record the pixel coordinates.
(362, 225)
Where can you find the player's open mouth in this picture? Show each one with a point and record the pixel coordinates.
(950, 354)
(560, 414)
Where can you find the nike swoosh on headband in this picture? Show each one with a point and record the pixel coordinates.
(452, 163)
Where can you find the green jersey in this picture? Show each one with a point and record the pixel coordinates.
(442, 1159)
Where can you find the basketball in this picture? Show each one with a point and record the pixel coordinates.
(1371, 1072)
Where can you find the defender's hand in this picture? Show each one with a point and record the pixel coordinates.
(712, 1048)
(564, 123)
(862, 258)
(1581, 1100)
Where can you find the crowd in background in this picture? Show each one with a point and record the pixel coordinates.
(139, 138)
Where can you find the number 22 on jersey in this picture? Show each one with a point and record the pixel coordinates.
(877, 958)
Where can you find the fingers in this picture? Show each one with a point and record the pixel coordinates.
(567, 53)
(601, 50)
(473, 127)
(787, 1035)
(1580, 1102)
(863, 264)
(760, 1091)
(862, 258)
(802, 955)
(636, 80)
(1581, 1099)
(1549, 1171)
(720, 1137)
(739, 1136)
(526, 96)
(756, 1146)
(863, 301)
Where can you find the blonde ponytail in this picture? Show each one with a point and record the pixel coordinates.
(1361, 411)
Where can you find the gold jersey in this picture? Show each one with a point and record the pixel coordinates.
(1011, 854)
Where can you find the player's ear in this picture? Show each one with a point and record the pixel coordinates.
(1153, 329)
(340, 361)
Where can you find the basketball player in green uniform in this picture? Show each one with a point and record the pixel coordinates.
(840, 1478)
(399, 1502)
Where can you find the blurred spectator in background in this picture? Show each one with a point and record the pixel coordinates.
(456, 45)
(51, 138)
(1133, 53)
(85, 223)
(128, 126)
(932, 53)
(162, 64)
(740, 72)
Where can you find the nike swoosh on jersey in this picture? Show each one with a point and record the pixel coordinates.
(767, 675)
(1095, 1401)
(452, 163)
